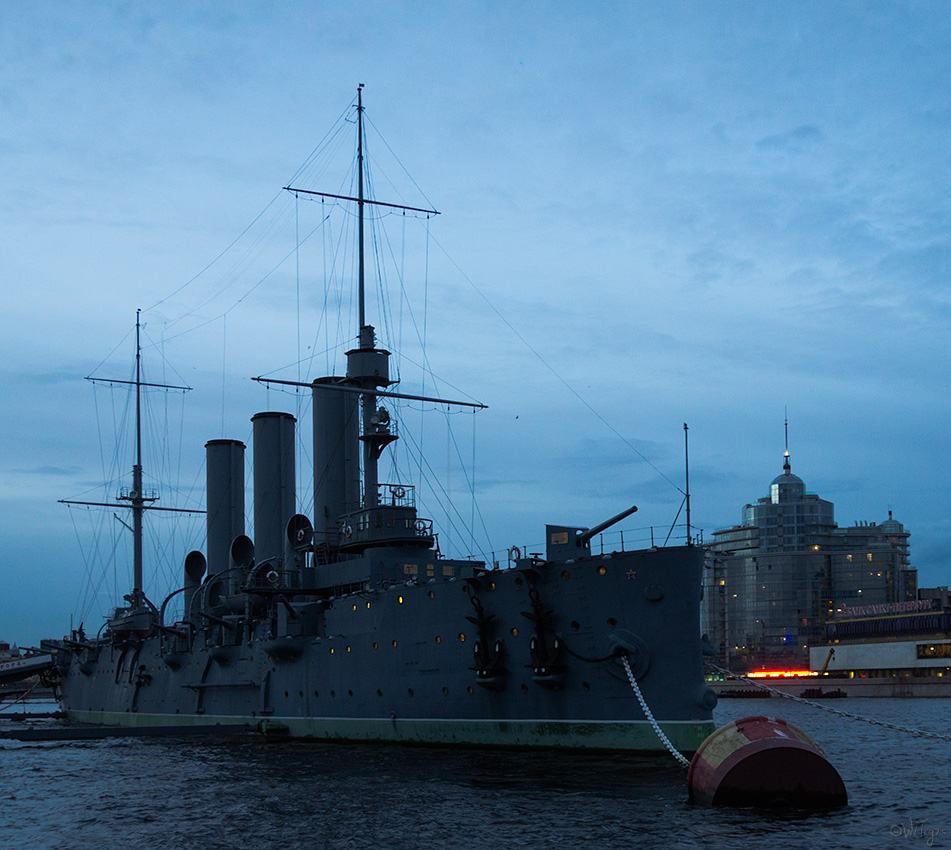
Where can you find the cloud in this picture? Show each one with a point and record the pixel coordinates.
(793, 141)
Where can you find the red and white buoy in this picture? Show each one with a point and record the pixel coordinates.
(763, 761)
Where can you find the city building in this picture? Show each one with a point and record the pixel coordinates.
(773, 581)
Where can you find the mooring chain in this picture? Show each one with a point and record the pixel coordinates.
(647, 712)
(830, 709)
(22, 697)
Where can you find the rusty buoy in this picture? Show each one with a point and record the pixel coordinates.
(763, 761)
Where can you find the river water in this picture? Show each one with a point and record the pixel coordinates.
(238, 793)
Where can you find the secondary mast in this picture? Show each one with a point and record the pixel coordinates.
(136, 498)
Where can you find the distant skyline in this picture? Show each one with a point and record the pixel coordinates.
(651, 214)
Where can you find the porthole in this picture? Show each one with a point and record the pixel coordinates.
(300, 694)
(348, 649)
(518, 582)
(409, 691)
(565, 575)
(394, 643)
(491, 585)
(399, 599)
(524, 689)
(445, 691)
(354, 607)
(286, 694)
(612, 622)
(586, 686)
(514, 632)
(575, 626)
(432, 595)
(438, 639)
(349, 693)
(602, 570)
(469, 689)
(462, 636)
(316, 694)
(376, 645)
(379, 693)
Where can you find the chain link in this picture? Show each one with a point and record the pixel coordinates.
(660, 732)
(909, 730)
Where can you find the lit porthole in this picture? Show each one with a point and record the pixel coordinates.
(602, 570)
(399, 599)
(491, 585)
(461, 636)
(348, 649)
(394, 643)
(432, 595)
(376, 646)
(514, 632)
(368, 604)
(469, 689)
(354, 607)
(331, 650)
(438, 639)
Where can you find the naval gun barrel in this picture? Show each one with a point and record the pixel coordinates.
(585, 536)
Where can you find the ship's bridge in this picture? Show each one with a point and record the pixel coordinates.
(392, 521)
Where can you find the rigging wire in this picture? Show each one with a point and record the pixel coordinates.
(553, 371)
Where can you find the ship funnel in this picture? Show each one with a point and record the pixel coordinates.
(274, 491)
(224, 464)
(336, 462)
(195, 566)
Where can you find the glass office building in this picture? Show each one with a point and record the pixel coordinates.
(773, 581)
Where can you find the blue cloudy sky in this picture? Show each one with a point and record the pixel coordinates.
(652, 213)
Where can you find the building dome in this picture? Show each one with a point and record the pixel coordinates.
(788, 478)
(891, 526)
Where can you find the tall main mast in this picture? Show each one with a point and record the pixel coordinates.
(360, 203)
(137, 497)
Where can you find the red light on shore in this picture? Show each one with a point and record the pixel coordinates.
(778, 674)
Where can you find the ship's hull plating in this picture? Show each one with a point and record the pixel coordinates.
(398, 663)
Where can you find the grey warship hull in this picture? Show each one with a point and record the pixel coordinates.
(350, 624)
(400, 662)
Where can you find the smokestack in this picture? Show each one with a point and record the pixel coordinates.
(224, 465)
(275, 495)
(336, 462)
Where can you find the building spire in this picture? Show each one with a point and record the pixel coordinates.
(787, 469)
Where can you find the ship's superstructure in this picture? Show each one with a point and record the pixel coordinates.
(350, 624)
